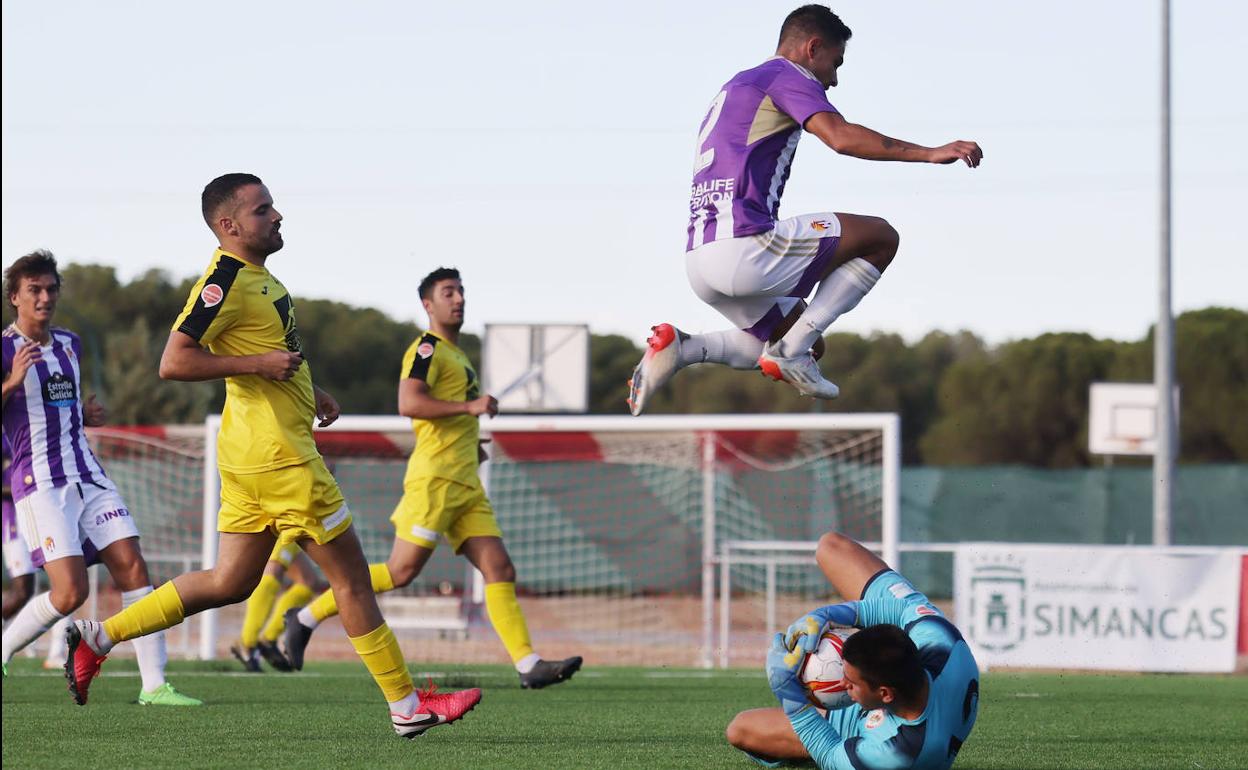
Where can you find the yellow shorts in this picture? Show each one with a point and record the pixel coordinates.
(432, 507)
(293, 503)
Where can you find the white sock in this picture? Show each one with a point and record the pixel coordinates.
(306, 619)
(839, 293)
(150, 650)
(526, 664)
(58, 649)
(733, 347)
(28, 624)
(405, 707)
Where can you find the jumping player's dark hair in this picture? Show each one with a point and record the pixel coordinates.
(429, 281)
(221, 191)
(814, 20)
(886, 657)
(36, 263)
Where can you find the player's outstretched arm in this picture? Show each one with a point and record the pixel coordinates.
(185, 361)
(416, 401)
(862, 142)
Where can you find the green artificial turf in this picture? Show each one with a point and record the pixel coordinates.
(332, 715)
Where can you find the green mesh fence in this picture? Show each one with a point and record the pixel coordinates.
(1112, 506)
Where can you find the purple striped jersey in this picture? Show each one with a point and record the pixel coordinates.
(745, 149)
(43, 420)
(4, 473)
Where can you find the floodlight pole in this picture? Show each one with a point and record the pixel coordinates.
(1163, 340)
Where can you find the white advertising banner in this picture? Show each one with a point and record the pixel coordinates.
(1098, 607)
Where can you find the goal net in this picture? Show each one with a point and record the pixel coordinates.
(618, 528)
(159, 473)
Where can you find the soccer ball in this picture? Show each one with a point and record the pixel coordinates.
(823, 671)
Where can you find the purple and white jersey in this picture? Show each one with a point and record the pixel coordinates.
(8, 519)
(4, 472)
(745, 149)
(43, 421)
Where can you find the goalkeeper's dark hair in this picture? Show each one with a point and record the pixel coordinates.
(886, 657)
(429, 281)
(221, 191)
(36, 263)
(814, 21)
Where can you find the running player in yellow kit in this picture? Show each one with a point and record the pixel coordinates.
(239, 324)
(442, 494)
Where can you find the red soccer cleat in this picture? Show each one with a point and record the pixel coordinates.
(435, 709)
(83, 663)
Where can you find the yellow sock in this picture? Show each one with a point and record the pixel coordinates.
(157, 611)
(259, 604)
(382, 580)
(295, 597)
(508, 619)
(325, 606)
(381, 655)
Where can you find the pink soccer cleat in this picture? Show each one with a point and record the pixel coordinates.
(435, 709)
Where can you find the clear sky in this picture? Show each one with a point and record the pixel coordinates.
(546, 149)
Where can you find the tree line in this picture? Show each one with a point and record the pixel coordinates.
(961, 401)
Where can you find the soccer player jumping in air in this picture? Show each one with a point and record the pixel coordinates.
(442, 493)
(913, 680)
(741, 258)
(239, 324)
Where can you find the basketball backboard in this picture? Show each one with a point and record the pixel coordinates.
(1122, 418)
(537, 367)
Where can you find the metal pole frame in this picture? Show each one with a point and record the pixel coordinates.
(212, 503)
(1163, 341)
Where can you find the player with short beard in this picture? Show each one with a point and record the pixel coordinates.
(69, 512)
(442, 493)
(746, 262)
(239, 324)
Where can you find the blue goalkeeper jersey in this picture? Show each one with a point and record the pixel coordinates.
(853, 739)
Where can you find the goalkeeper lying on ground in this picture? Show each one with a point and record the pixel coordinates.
(913, 680)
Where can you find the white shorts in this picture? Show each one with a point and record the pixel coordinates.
(78, 519)
(16, 554)
(755, 281)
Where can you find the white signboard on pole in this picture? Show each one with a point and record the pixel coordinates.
(1133, 608)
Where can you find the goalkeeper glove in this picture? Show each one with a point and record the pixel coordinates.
(783, 663)
(805, 633)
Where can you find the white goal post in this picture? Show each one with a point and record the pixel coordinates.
(618, 524)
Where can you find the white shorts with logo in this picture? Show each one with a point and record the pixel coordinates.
(16, 554)
(78, 519)
(756, 280)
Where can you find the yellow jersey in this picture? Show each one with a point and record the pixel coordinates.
(446, 447)
(240, 309)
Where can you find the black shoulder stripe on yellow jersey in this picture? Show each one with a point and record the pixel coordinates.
(420, 364)
(203, 314)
